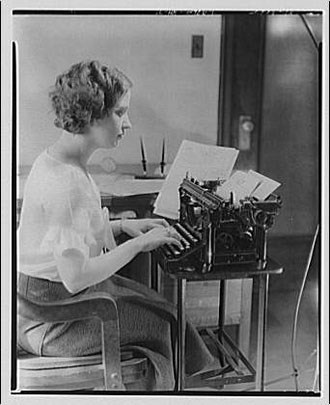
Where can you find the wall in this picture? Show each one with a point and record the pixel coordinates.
(290, 140)
(175, 96)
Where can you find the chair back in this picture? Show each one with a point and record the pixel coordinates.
(110, 370)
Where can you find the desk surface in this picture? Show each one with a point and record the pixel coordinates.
(225, 272)
(131, 169)
(123, 172)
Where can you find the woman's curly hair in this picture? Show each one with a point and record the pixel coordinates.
(86, 92)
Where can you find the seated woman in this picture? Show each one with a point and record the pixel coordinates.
(63, 231)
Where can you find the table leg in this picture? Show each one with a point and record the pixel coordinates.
(262, 326)
(222, 314)
(181, 334)
(154, 272)
(245, 318)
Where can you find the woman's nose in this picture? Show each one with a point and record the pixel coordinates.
(127, 123)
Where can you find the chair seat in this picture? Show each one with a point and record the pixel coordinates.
(87, 372)
(114, 369)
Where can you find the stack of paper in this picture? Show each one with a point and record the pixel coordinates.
(266, 186)
(200, 161)
(247, 184)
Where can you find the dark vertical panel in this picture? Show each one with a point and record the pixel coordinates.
(226, 80)
(241, 80)
(289, 151)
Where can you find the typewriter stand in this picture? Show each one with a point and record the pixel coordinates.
(231, 359)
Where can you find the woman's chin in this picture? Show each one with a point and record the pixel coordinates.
(112, 144)
(117, 141)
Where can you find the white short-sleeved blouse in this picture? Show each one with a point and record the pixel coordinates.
(61, 210)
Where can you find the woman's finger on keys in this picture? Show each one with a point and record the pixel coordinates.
(172, 241)
(175, 234)
(160, 222)
(164, 223)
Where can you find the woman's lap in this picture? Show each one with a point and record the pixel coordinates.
(145, 319)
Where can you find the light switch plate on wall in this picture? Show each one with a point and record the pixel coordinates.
(197, 46)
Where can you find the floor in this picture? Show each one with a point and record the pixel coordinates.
(283, 294)
(292, 253)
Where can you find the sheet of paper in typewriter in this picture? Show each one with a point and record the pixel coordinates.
(200, 161)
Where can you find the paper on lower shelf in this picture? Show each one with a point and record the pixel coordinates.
(202, 162)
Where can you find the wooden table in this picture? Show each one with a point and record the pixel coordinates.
(223, 273)
(141, 204)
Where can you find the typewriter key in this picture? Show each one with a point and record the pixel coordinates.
(192, 231)
(185, 233)
(174, 250)
(166, 251)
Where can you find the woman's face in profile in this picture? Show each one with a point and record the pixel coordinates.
(110, 130)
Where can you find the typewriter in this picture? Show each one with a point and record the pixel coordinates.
(217, 232)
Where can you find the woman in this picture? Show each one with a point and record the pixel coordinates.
(63, 231)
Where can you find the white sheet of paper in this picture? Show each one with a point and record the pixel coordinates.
(266, 187)
(202, 162)
(241, 184)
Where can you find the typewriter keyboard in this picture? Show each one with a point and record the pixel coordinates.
(190, 239)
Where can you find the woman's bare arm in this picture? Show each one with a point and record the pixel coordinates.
(77, 273)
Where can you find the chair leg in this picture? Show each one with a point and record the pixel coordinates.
(111, 356)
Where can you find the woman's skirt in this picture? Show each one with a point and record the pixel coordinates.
(147, 323)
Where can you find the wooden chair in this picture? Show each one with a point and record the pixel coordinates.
(110, 370)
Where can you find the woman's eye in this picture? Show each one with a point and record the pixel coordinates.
(120, 113)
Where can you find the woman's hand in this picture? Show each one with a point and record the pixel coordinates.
(137, 227)
(158, 236)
